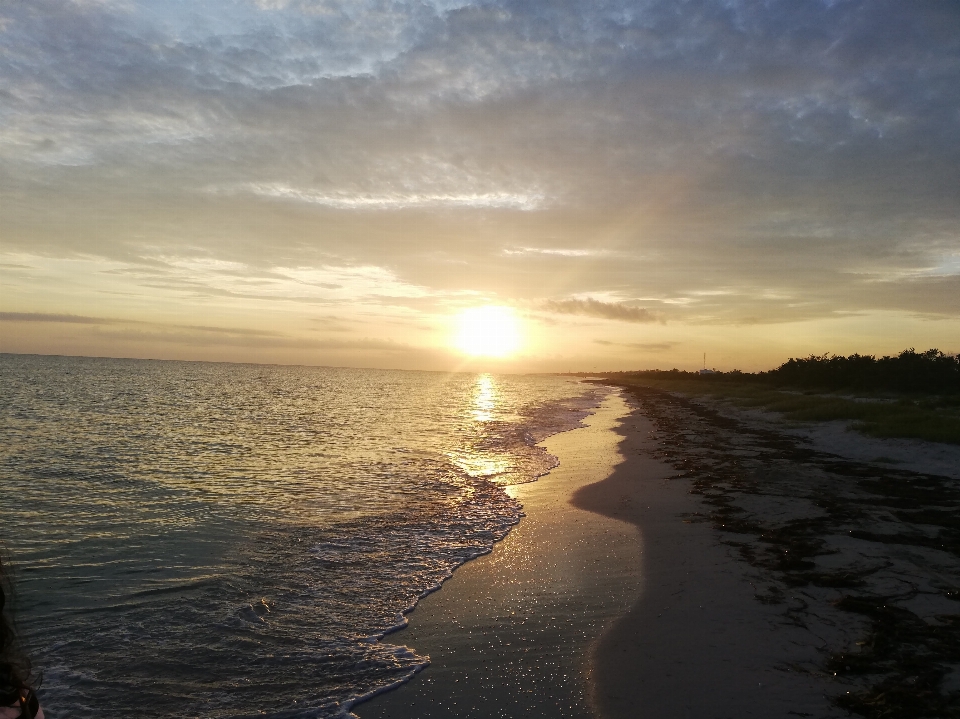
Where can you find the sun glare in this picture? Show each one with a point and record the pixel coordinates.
(488, 332)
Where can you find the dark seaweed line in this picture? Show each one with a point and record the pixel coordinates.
(900, 669)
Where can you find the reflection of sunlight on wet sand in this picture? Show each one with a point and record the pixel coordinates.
(484, 399)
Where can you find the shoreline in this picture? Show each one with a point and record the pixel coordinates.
(666, 620)
(510, 632)
(750, 572)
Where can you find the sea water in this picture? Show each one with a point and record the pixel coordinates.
(221, 540)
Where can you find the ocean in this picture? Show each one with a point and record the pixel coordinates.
(221, 540)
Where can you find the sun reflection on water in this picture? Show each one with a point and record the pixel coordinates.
(252, 479)
(484, 398)
(481, 460)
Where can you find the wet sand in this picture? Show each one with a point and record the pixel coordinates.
(509, 634)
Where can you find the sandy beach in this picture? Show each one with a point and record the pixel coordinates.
(509, 634)
(697, 643)
(688, 560)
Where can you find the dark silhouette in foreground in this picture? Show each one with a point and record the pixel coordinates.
(17, 697)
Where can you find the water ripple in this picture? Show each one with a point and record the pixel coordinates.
(235, 540)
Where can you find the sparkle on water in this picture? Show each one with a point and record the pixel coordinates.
(198, 539)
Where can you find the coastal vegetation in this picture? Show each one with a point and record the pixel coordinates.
(913, 394)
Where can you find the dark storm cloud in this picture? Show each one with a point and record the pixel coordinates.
(786, 155)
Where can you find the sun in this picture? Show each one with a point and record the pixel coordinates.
(488, 332)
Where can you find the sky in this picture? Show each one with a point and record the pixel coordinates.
(333, 183)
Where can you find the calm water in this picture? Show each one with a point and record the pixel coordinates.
(235, 540)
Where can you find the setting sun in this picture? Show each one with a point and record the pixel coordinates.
(488, 332)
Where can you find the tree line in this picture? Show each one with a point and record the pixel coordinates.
(910, 371)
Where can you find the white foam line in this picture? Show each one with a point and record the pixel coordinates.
(349, 704)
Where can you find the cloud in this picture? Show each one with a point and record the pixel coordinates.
(555, 251)
(604, 310)
(45, 317)
(126, 331)
(766, 162)
(332, 323)
(84, 320)
(194, 337)
(642, 346)
(399, 200)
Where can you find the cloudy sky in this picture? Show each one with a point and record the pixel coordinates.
(325, 182)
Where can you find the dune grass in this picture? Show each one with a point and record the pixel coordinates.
(931, 417)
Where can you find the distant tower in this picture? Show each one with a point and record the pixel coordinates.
(705, 370)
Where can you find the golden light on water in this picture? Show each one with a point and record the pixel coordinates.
(477, 461)
(488, 331)
(485, 399)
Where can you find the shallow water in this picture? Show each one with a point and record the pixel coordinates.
(233, 540)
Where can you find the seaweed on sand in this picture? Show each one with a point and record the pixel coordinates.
(879, 545)
(910, 656)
